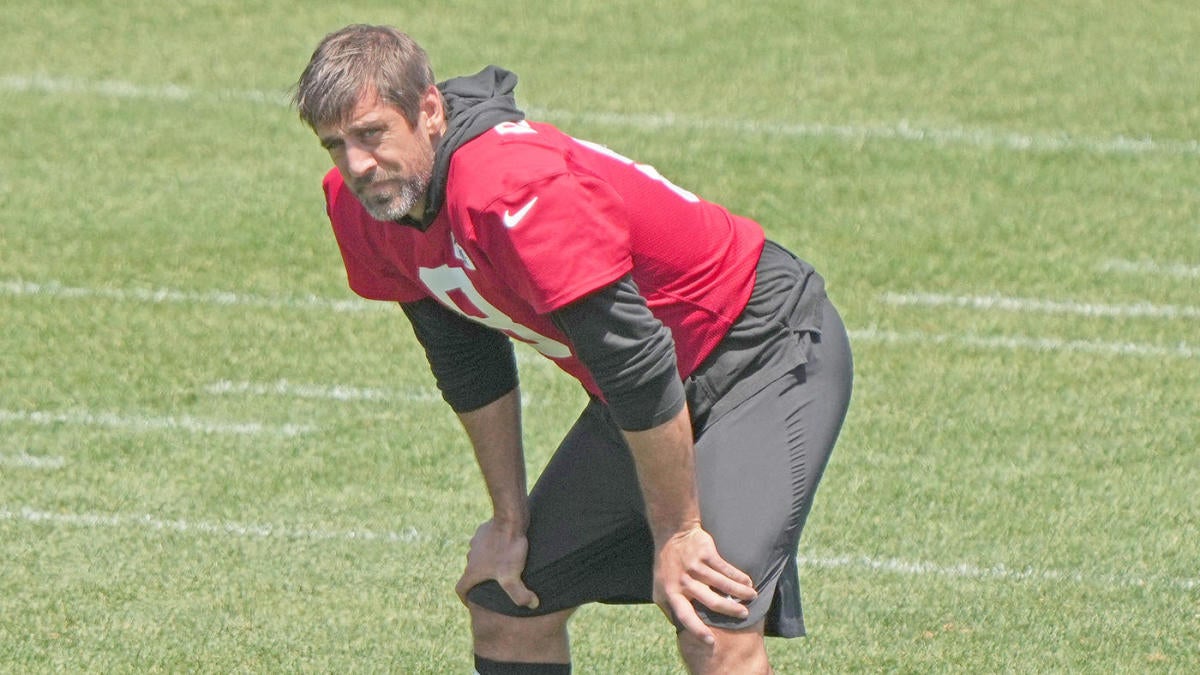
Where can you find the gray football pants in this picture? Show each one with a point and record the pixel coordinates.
(758, 466)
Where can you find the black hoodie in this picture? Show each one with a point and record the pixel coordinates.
(474, 104)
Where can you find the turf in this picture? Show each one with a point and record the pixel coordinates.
(214, 458)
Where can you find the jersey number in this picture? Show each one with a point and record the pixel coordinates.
(522, 127)
(646, 169)
(454, 289)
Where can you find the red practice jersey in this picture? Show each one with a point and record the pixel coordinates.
(533, 220)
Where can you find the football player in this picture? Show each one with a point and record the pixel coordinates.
(718, 371)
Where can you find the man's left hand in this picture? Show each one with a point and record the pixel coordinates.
(688, 567)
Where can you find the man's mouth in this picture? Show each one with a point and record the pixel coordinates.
(372, 188)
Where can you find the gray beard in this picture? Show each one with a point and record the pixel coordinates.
(396, 205)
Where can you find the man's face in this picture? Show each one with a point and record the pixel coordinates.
(385, 162)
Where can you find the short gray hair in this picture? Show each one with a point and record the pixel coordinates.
(359, 58)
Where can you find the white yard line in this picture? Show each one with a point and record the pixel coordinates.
(26, 461)
(1016, 304)
(334, 392)
(57, 290)
(74, 86)
(1151, 268)
(228, 528)
(901, 130)
(1026, 343)
(411, 535)
(345, 393)
(146, 423)
(227, 299)
(995, 572)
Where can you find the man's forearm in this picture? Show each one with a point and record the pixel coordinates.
(665, 461)
(495, 434)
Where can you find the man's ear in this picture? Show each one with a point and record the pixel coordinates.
(434, 111)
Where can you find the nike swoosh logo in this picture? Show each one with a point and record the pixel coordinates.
(512, 219)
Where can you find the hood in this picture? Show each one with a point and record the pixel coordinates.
(474, 104)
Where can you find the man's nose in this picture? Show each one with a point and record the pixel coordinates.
(359, 160)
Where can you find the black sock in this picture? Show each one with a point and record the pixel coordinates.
(489, 667)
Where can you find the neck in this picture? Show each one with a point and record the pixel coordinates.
(417, 212)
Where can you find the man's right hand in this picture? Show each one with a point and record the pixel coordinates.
(497, 553)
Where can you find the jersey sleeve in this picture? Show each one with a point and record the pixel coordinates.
(629, 353)
(473, 365)
(557, 238)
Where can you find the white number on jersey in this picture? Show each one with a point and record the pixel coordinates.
(644, 168)
(447, 282)
(510, 128)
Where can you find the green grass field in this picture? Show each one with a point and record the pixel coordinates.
(214, 458)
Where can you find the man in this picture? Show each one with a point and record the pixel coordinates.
(719, 373)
